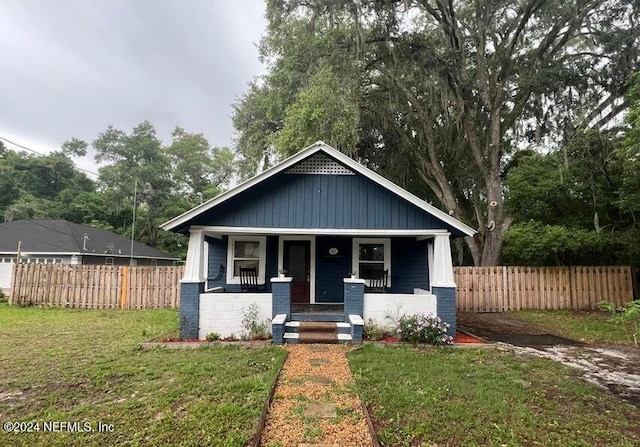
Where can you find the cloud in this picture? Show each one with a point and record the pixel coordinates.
(71, 68)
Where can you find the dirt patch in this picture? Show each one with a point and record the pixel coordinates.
(610, 366)
(504, 328)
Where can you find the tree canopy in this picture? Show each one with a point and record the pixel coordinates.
(459, 87)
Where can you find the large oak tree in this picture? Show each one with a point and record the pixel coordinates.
(458, 86)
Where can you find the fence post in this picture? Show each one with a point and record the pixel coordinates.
(124, 271)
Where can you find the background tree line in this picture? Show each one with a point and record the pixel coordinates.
(167, 180)
(519, 117)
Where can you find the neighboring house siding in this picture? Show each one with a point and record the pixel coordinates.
(319, 201)
(218, 257)
(409, 265)
(6, 272)
(331, 270)
(119, 260)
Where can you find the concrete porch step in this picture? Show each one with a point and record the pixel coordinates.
(317, 326)
(325, 332)
(316, 337)
(335, 317)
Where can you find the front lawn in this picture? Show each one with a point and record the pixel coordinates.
(577, 325)
(82, 366)
(486, 397)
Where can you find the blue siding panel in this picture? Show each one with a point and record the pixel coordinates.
(319, 201)
(217, 268)
(409, 265)
(272, 260)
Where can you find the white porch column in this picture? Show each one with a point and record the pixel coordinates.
(442, 272)
(194, 267)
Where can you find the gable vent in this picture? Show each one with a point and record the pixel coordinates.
(319, 164)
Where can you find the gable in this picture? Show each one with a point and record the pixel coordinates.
(319, 201)
(320, 188)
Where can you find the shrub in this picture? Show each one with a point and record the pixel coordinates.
(212, 336)
(423, 328)
(373, 331)
(3, 298)
(254, 329)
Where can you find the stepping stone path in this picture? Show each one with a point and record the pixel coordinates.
(313, 404)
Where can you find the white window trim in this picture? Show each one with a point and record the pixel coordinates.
(262, 257)
(355, 257)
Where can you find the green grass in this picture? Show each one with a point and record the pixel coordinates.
(577, 325)
(486, 397)
(85, 365)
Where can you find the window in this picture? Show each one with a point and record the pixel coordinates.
(372, 257)
(108, 261)
(246, 252)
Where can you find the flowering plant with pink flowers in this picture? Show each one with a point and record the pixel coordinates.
(423, 328)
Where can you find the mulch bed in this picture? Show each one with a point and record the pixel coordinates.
(465, 338)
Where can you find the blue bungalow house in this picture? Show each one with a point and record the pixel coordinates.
(316, 237)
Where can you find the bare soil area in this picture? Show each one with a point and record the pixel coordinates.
(611, 366)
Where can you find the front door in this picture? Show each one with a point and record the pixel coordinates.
(297, 262)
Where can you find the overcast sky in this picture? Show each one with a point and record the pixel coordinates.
(69, 68)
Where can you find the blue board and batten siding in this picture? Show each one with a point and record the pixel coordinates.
(409, 267)
(320, 201)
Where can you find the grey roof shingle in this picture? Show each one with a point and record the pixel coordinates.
(61, 236)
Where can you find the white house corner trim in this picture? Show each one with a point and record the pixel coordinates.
(195, 264)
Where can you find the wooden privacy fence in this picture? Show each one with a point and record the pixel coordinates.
(479, 289)
(96, 286)
(499, 289)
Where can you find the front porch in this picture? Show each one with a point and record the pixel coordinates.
(311, 283)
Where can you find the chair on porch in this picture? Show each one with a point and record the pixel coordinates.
(378, 282)
(249, 280)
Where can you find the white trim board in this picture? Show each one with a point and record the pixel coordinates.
(219, 231)
(319, 146)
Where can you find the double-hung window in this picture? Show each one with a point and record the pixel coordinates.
(246, 252)
(371, 257)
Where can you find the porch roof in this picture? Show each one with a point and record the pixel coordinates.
(194, 217)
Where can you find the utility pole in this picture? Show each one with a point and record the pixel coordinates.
(133, 224)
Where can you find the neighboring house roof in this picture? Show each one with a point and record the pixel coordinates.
(306, 161)
(63, 237)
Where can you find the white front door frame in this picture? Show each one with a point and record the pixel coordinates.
(312, 260)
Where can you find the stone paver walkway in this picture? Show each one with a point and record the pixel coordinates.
(313, 403)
